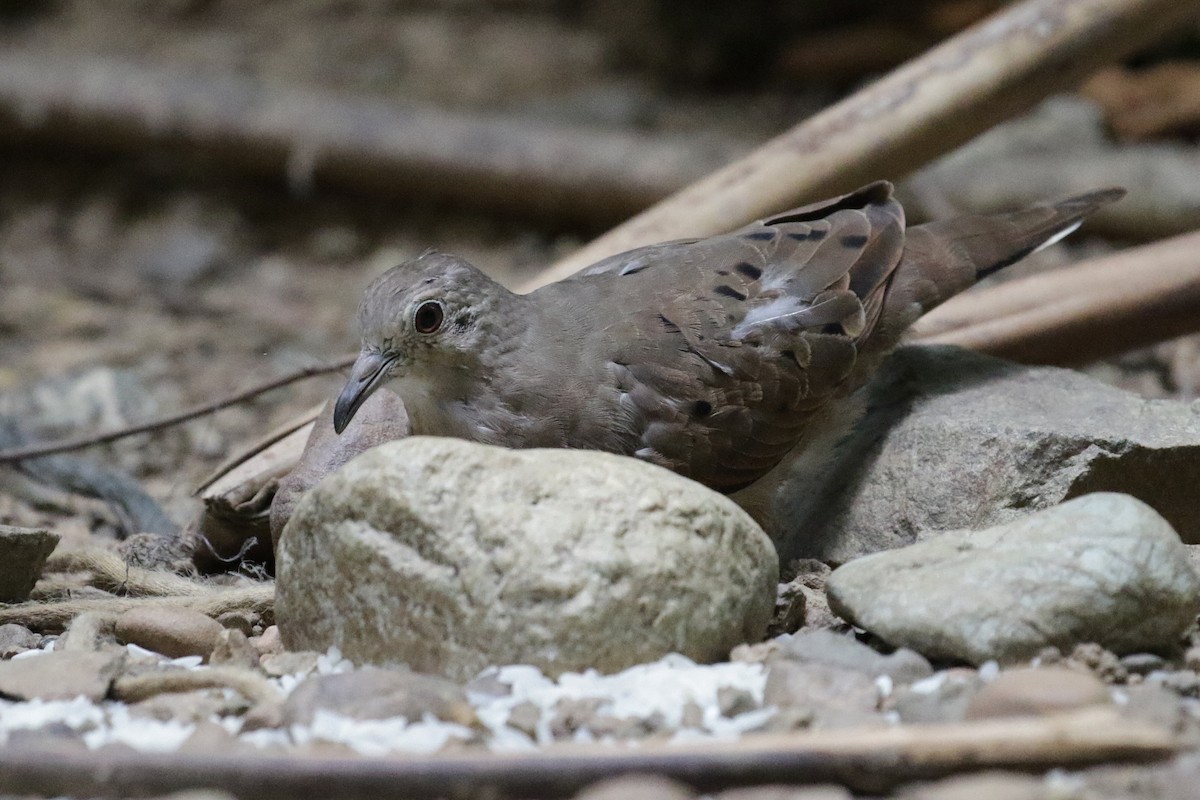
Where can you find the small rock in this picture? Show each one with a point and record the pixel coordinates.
(943, 697)
(1183, 682)
(233, 649)
(60, 676)
(692, 716)
(296, 662)
(1103, 568)
(16, 639)
(607, 562)
(173, 632)
(23, 553)
(733, 701)
(819, 687)
(818, 792)
(846, 652)
(525, 717)
(1142, 663)
(572, 714)
(267, 643)
(373, 693)
(1037, 692)
(1104, 663)
(790, 603)
(979, 786)
(642, 787)
(239, 620)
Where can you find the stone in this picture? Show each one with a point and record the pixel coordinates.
(943, 697)
(60, 676)
(173, 632)
(268, 642)
(450, 556)
(23, 553)
(819, 688)
(817, 792)
(992, 785)
(233, 649)
(846, 652)
(16, 639)
(642, 787)
(300, 662)
(1104, 568)
(958, 440)
(1037, 692)
(373, 693)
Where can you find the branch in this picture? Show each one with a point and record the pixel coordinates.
(870, 760)
(1098, 308)
(992, 71)
(483, 160)
(52, 448)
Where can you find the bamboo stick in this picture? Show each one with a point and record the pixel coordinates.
(932, 104)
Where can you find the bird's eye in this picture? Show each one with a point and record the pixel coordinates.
(428, 317)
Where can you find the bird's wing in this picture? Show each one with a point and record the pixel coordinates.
(720, 349)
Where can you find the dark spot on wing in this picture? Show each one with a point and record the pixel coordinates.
(701, 408)
(854, 240)
(729, 291)
(749, 270)
(791, 355)
(670, 326)
(722, 272)
(760, 236)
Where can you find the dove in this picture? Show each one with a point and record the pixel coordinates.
(712, 357)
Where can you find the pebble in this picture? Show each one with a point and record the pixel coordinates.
(1142, 663)
(268, 642)
(60, 675)
(1037, 692)
(23, 553)
(374, 693)
(943, 697)
(844, 651)
(173, 632)
(641, 787)
(233, 649)
(1103, 568)
(290, 662)
(16, 639)
(819, 688)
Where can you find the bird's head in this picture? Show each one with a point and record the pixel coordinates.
(421, 317)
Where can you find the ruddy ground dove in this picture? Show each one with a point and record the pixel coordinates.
(712, 357)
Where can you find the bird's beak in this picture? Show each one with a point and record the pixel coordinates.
(371, 370)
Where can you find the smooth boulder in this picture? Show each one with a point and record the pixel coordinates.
(1103, 568)
(451, 556)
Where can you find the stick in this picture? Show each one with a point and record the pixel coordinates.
(53, 448)
(311, 136)
(870, 760)
(934, 103)
(1131, 299)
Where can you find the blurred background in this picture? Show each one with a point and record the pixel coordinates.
(193, 193)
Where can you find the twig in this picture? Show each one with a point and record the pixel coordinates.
(1072, 315)
(934, 103)
(327, 137)
(52, 448)
(870, 760)
(55, 616)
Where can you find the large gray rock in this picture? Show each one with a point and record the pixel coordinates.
(451, 556)
(953, 439)
(1103, 568)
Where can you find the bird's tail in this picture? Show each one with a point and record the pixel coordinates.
(943, 258)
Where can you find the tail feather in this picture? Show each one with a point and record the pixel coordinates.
(945, 257)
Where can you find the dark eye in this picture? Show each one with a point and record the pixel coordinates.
(428, 317)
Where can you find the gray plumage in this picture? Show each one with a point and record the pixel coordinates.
(709, 357)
